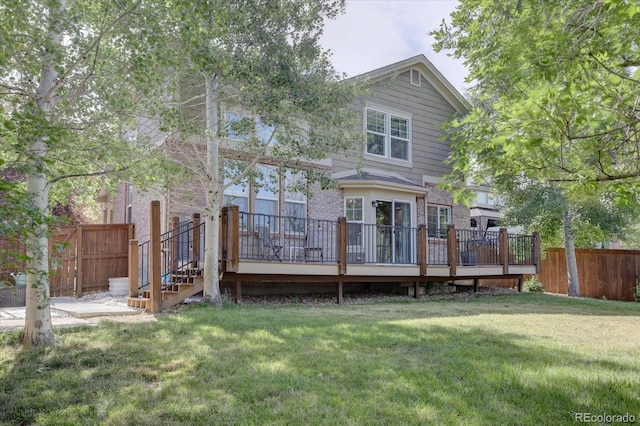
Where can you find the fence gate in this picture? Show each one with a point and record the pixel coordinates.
(84, 257)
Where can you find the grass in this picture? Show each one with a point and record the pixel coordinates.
(514, 359)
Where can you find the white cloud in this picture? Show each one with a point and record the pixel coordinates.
(375, 33)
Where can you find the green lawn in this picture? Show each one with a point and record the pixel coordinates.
(515, 359)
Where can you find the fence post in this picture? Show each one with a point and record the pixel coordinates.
(504, 250)
(155, 259)
(342, 245)
(79, 261)
(423, 248)
(452, 249)
(133, 268)
(195, 252)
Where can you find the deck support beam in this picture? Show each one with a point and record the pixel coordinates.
(475, 285)
(340, 294)
(238, 291)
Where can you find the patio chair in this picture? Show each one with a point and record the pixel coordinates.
(313, 243)
(268, 243)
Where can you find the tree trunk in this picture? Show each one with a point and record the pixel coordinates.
(573, 286)
(212, 211)
(38, 329)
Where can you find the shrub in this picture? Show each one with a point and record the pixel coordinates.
(533, 284)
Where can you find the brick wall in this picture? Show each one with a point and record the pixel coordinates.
(459, 213)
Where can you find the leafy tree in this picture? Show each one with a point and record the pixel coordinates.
(74, 78)
(556, 85)
(262, 59)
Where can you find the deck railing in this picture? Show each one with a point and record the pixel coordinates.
(272, 238)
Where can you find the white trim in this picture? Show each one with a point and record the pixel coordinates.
(412, 80)
(429, 72)
(389, 113)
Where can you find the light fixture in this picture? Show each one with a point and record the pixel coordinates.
(374, 203)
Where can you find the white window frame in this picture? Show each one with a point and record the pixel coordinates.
(266, 194)
(291, 178)
(440, 231)
(351, 221)
(389, 114)
(415, 77)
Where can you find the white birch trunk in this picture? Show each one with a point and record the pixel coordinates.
(38, 329)
(573, 287)
(212, 220)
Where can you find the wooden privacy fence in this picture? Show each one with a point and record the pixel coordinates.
(602, 273)
(88, 256)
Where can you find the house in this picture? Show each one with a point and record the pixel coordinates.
(387, 189)
(391, 180)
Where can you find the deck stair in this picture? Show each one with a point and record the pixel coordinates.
(181, 285)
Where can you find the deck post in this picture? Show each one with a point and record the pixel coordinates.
(195, 241)
(536, 251)
(238, 291)
(423, 248)
(340, 293)
(175, 226)
(224, 243)
(452, 249)
(416, 290)
(342, 245)
(134, 252)
(475, 285)
(504, 250)
(232, 253)
(155, 259)
(520, 284)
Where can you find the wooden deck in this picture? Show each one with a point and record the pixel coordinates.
(269, 253)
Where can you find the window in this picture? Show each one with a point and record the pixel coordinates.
(388, 134)
(415, 78)
(242, 128)
(353, 211)
(438, 218)
(267, 193)
(238, 193)
(295, 201)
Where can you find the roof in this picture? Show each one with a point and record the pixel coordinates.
(369, 180)
(429, 71)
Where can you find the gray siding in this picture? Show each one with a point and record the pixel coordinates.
(429, 111)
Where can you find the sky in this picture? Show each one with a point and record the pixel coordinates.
(375, 33)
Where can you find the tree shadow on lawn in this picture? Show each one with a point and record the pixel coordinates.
(199, 367)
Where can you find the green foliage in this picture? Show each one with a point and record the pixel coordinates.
(636, 294)
(533, 284)
(555, 102)
(555, 94)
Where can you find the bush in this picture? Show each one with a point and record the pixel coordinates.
(636, 294)
(532, 284)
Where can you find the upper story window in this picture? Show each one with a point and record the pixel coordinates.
(388, 133)
(241, 128)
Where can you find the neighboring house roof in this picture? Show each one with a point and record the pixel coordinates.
(429, 71)
(368, 179)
